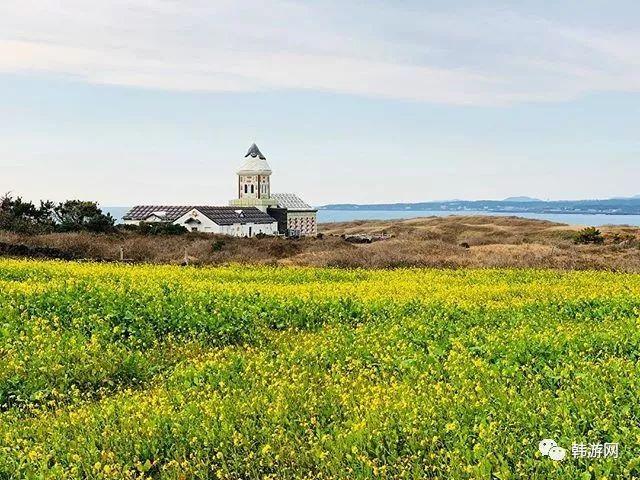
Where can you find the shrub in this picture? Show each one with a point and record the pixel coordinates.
(128, 227)
(622, 239)
(161, 228)
(589, 235)
(217, 245)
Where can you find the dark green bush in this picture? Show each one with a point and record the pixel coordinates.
(161, 228)
(589, 235)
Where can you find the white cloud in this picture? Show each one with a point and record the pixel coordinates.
(467, 56)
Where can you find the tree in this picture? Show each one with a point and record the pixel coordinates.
(16, 215)
(75, 215)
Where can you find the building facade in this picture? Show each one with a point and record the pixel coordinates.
(255, 211)
(234, 221)
(301, 218)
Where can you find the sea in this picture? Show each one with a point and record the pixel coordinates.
(332, 216)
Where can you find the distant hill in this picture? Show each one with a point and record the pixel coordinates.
(634, 197)
(521, 199)
(612, 206)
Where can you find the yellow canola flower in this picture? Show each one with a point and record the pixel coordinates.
(140, 371)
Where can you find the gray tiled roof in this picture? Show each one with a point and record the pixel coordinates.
(231, 215)
(142, 212)
(291, 201)
(219, 215)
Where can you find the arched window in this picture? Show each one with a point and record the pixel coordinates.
(252, 188)
(245, 188)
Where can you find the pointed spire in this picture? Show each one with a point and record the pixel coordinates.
(255, 163)
(254, 151)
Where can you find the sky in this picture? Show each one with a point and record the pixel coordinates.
(157, 101)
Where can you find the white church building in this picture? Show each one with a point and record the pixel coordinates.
(255, 211)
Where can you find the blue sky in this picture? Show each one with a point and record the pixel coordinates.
(156, 101)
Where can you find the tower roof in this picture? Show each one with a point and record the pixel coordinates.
(255, 163)
(254, 152)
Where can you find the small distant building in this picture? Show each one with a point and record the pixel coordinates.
(255, 211)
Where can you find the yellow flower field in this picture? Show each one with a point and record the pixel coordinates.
(120, 371)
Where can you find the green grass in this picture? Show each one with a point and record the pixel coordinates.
(236, 372)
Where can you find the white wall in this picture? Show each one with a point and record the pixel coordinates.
(205, 225)
(237, 230)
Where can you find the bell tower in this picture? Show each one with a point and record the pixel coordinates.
(254, 181)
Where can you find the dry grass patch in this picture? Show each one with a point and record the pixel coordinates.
(442, 242)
